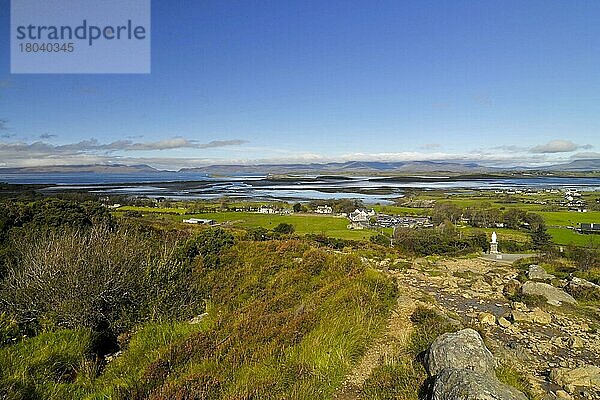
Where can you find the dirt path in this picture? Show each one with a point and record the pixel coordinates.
(397, 332)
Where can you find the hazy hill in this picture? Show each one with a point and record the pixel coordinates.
(349, 166)
(315, 168)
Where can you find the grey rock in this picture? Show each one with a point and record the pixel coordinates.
(464, 384)
(538, 273)
(553, 295)
(536, 315)
(581, 287)
(461, 350)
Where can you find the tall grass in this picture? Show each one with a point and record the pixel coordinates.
(284, 320)
(52, 365)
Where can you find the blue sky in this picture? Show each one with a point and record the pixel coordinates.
(500, 82)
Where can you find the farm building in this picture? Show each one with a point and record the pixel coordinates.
(198, 221)
(589, 228)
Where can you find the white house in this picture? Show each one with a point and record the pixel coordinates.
(324, 210)
(361, 215)
(359, 219)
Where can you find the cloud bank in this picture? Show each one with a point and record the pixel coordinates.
(558, 146)
(160, 154)
(92, 151)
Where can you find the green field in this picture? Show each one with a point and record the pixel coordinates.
(327, 225)
(304, 223)
(569, 218)
(567, 236)
(337, 226)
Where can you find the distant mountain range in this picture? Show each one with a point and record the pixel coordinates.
(390, 167)
(349, 166)
(590, 165)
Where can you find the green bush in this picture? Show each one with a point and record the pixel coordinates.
(102, 279)
(9, 329)
(208, 244)
(513, 377)
(284, 229)
(282, 317)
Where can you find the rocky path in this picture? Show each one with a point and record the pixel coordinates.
(557, 347)
(546, 341)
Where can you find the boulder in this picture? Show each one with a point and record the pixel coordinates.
(561, 394)
(517, 305)
(587, 376)
(464, 384)
(520, 316)
(461, 350)
(537, 316)
(583, 289)
(553, 295)
(575, 342)
(538, 273)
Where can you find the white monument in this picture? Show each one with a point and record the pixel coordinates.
(494, 244)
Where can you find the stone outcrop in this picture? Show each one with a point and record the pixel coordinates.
(553, 295)
(463, 384)
(537, 273)
(587, 376)
(461, 350)
(487, 318)
(583, 289)
(464, 369)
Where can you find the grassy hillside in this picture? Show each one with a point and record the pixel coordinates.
(283, 319)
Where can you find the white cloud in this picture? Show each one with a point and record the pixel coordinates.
(92, 151)
(555, 146)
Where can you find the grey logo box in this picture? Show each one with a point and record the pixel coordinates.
(80, 36)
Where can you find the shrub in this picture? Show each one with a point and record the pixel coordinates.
(396, 378)
(9, 329)
(511, 376)
(208, 244)
(99, 279)
(284, 229)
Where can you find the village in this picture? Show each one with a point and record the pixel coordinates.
(358, 219)
(571, 214)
